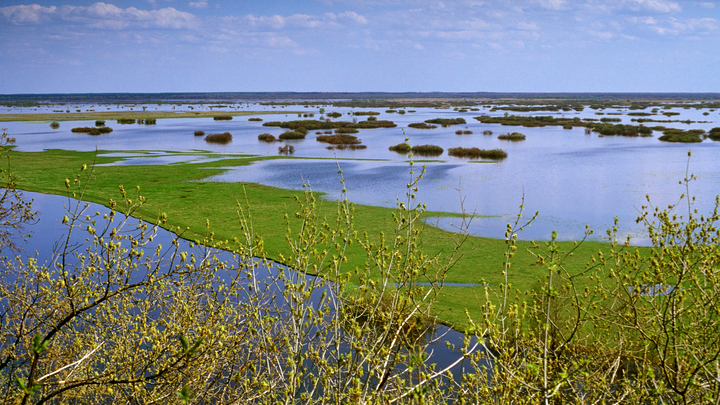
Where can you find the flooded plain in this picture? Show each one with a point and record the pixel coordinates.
(570, 177)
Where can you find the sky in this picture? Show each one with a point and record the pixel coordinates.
(61, 46)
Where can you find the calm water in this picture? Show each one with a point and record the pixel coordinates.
(48, 236)
(571, 178)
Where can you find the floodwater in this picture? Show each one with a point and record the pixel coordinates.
(570, 178)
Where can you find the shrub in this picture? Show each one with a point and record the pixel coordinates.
(199, 133)
(54, 125)
(427, 150)
(714, 134)
(255, 119)
(126, 121)
(92, 130)
(346, 131)
(223, 138)
(568, 126)
(678, 135)
(421, 125)
(390, 111)
(445, 122)
(477, 153)
(400, 148)
(99, 123)
(338, 139)
(287, 149)
(148, 121)
(401, 112)
(292, 135)
(372, 119)
(334, 115)
(515, 137)
(465, 132)
(487, 132)
(223, 117)
(365, 113)
(267, 138)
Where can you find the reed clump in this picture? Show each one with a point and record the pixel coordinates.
(427, 150)
(223, 117)
(515, 137)
(339, 139)
(678, 135)
(125, 121)
(495, 154)
(223, 138)
(255, 119)
(422, 125)
(463, 132)
(269, 138)
(99, 123)
(54, 125)
(199, 133)
(346, 131)
(292, 135)
(446, 122)
(400, 148)
(92, 130)
(714, 134)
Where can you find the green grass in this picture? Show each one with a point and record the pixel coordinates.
(182, 192)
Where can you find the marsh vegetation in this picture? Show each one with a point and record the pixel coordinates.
(474, 153)
(222, 138)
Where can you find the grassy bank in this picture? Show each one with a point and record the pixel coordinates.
(184, 194)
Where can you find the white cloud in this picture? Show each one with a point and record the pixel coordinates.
(662, 6)
(552, 4)
(32, 13)
(527, 25)
(198, 4)
(353, 16)
(100, 15)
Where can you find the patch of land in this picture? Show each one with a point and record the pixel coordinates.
(114, 115)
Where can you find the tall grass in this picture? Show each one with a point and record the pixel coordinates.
(223, 138)
(515, 137)
(496, 154)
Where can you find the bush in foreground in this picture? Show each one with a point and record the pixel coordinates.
(223, 138)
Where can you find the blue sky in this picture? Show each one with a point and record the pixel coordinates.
(57, 46)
